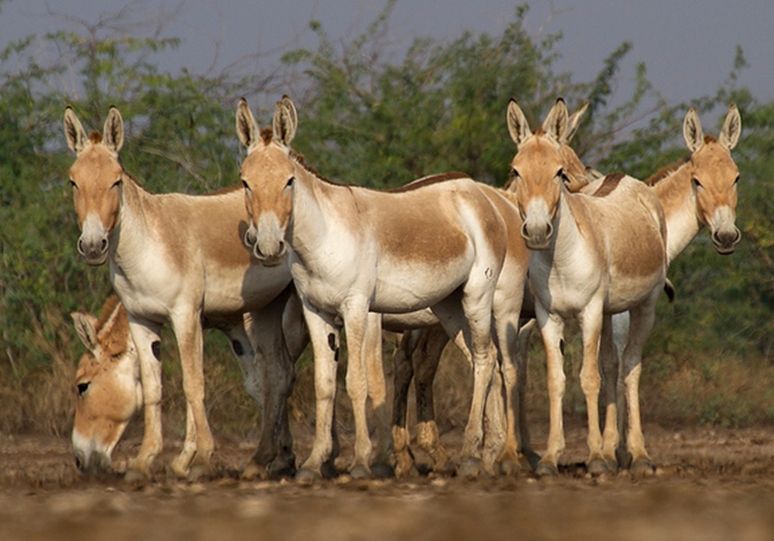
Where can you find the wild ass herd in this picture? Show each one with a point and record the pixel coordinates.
(289, 257)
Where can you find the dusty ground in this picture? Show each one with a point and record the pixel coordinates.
(711, 484)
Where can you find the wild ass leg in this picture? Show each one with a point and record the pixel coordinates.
(356, 320)
(403, 372)
(188, 331)
(325, 344)
(273, 456)
(146, 339)
(642, 319)
(425, 359)
(552, 329)
(591, 325)
(377, 392)
(494, 420)
(522, 351)
(609, 368)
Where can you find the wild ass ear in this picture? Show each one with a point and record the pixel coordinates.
(574, 122)
(557, 122)
(285, 121)
(113, 132)
(74, 132)
(692, 132)
(732, 128)
(517, 123)
(86, 327)
(246, 126)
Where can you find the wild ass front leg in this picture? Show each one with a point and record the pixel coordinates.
(356, 318)
(188, 331)
(325, 344)
(642, 319)
(609, 368)
(591, 325)
(147, 341)
(377, 393)
(552, 330)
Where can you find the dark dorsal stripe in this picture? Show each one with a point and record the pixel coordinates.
(609, 184)
(427, 181)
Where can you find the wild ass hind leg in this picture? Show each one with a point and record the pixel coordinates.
(591, 319)
(146, 339)
(188, 331)
(522, 351)
(425, 359)
(552, 330)
(403, 373)
(325, 344)
(642, 319)
(377, 393)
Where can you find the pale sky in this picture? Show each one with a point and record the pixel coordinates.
(688, 45)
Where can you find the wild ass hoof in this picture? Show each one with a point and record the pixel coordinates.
(470, 468)
(136, 477)
(360, 472)
(598, 466)
(253, 471)
(382, 470)
(546, 469)
(307, 477)
(623, 457)
(199, 472)
(282, 466)
(643, 467)
(511, 466)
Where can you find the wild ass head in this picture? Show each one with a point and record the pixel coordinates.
(543, 167)
(96, 177)
(268, 175)
(107, 384)
(715, 177)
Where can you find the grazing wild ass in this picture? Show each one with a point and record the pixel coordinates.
(180, 259)
(420, 350)
(353, 250)
(700, 191)
(592, 255)
(109, 388)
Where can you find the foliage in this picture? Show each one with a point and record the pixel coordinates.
(371, 115)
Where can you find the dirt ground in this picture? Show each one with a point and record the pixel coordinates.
(711, 484)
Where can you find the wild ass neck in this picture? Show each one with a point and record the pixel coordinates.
(678, 200)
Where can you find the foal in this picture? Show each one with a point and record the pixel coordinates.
(179, 259)
(592, 255)
(353, 250)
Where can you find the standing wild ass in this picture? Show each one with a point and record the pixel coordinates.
(180, 259)
(353, 250)
(592, 255)
(701, 190)
(420, 350)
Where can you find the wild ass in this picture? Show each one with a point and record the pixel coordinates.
(420, 350)
(109, 389)
(180, 259)
(353, 250)
(592, 255)
(700, 191)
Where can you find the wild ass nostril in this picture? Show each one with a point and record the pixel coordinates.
(524, 230)
(80, 247)
(103, 245)
(250, 237)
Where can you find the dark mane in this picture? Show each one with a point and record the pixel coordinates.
(427, 181)
(95, 137)
(663, 172)
(609, 184)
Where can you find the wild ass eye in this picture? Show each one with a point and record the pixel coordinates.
(73, 184)
(736, 180)
(696, 183)
(563, 177)
(246, 185)
(82, 387)
(117, 183)
(291, 180)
